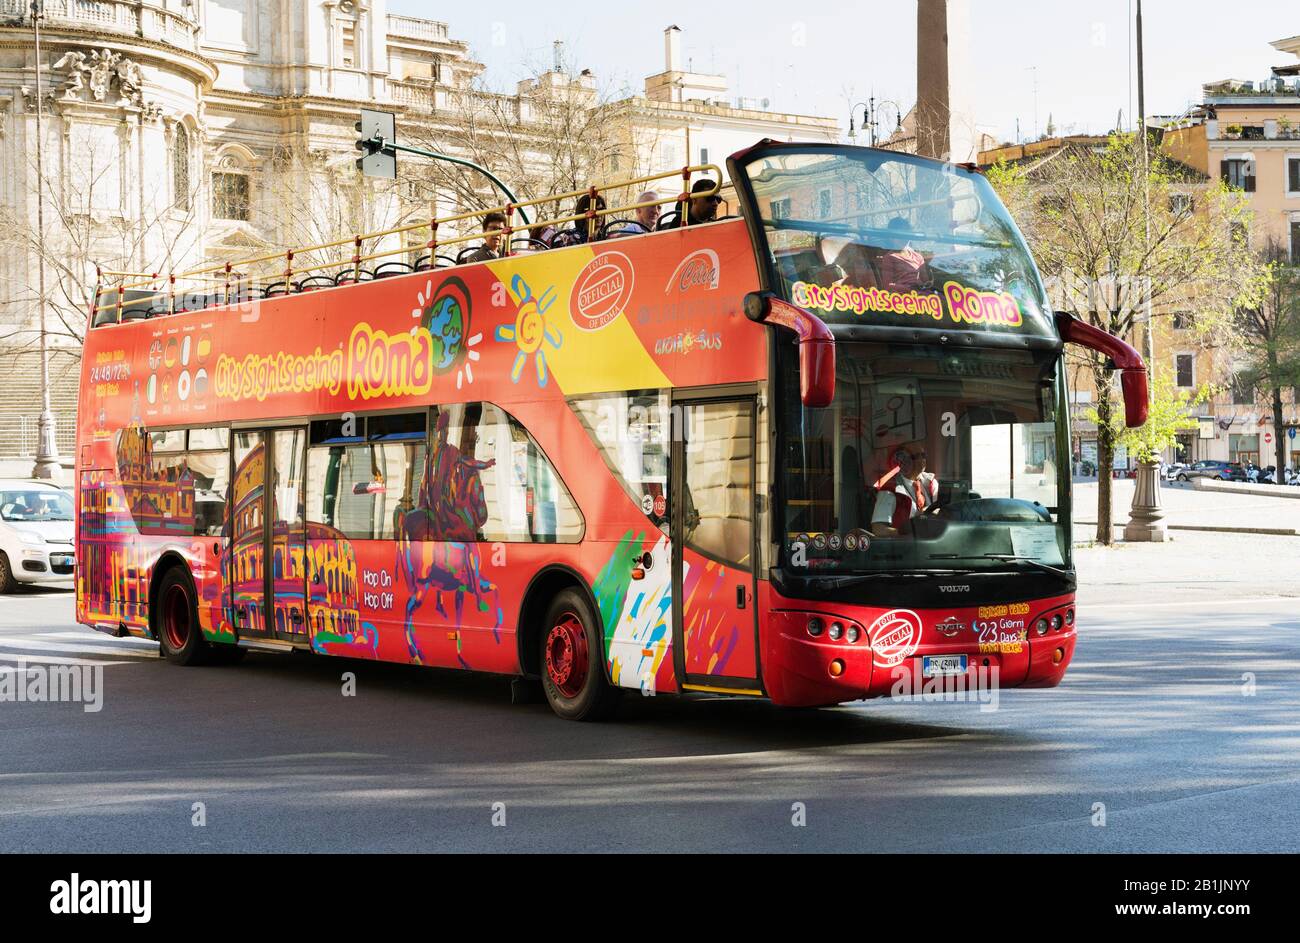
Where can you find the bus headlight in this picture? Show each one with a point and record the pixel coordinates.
(1056, 622)
(1041, 626)
(815, 627)
(1069, 617)
(836, 632)
(853, 634)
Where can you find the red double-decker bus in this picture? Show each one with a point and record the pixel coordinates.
(804, 453)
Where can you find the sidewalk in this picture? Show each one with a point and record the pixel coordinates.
(1189, 567)
(1188, 507)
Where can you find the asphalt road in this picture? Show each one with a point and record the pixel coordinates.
(1152, 721)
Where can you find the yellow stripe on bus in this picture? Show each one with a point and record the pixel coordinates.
(712, 690)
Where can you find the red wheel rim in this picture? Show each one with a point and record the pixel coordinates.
(566, 655)
(176, 617)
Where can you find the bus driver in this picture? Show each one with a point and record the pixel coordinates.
(904, 491)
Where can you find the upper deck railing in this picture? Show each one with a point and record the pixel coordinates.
(133, 296)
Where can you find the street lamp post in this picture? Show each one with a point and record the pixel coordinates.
(871, 109)
(47, 450)
(1146, 514)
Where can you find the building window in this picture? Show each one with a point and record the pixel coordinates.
(230, 196)
(1293, 175)
(781, 209)
(349, 58)
(1180, 204)
(824, 204)
(1182, 321)
(704, 155)
(181, 168)
(1243, 447)
(1185, 370)
(1238, 173)
(1295, 242)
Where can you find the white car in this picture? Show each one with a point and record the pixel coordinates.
(36, 533)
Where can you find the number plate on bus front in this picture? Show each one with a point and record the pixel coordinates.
(937, 666)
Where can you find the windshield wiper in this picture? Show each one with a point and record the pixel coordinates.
(1008, 557)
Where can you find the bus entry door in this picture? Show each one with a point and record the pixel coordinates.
(715, 638)
(265, 565)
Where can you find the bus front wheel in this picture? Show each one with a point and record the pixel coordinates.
(176, 621)
(572, 672)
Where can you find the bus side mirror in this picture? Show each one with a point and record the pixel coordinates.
(1132, 372)
(816, 344)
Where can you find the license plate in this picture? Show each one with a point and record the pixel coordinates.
(61, 559)
(937, 666)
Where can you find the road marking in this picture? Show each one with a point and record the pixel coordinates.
(11, 643)
(39, 659)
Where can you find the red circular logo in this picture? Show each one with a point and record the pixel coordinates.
(894, 636)
(661, 505)
(601, 291)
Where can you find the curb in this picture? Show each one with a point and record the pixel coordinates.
(1206, 528)
(1240, 487)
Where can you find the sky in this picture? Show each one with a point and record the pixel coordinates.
(1032, 60)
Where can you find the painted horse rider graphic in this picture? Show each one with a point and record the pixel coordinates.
(437, 549)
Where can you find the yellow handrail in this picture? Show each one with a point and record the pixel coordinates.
(226, 273)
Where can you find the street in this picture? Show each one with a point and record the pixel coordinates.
(1157, 721)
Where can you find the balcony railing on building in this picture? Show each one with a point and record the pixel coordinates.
(169, 21)
(413, 27)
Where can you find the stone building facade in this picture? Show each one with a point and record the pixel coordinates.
(176, 132)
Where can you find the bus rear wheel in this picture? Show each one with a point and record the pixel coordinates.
(573, 675)
(176, 620)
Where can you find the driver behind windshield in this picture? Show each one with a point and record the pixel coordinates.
(903, 492)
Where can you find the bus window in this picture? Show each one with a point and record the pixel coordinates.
(494, 483)
(631, 431)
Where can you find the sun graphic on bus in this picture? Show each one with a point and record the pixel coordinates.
(530, 330)
(445, 314)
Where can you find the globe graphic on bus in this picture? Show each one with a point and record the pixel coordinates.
(446, 317)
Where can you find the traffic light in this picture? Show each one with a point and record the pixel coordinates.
(376, 130)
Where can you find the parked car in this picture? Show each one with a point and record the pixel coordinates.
(35, 533)
(1172, 470)
(1209, 468)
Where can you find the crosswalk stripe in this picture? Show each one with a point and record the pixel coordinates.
(12, 643)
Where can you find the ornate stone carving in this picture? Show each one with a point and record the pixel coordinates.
(102, 72)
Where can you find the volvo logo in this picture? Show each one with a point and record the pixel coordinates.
(953, 588)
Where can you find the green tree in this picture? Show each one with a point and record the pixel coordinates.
(1268, 338)
(1171, 412)
(1123, 242)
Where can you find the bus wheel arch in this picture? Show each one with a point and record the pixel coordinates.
(173, 612)
(545, 585)
(562, 640)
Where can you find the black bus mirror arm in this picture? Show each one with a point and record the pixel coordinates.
(816, 344)
(1120, 356)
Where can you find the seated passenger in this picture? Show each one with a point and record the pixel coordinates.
(701, 209)
(646, 216)
(902, 269)
(494, 225)
(903, 492)
(583, 226)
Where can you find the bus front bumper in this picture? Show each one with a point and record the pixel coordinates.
(901, 652)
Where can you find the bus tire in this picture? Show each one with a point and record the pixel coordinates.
(176, 620)
(8, 582)
(572, 669)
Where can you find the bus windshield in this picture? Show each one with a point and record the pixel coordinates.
(858, 235)
(927, 460)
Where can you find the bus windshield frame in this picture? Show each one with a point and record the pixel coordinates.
(880, 238)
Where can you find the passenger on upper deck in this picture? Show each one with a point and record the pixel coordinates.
(701, 209)
(647, 217)
(494, 225)
(581, 208)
